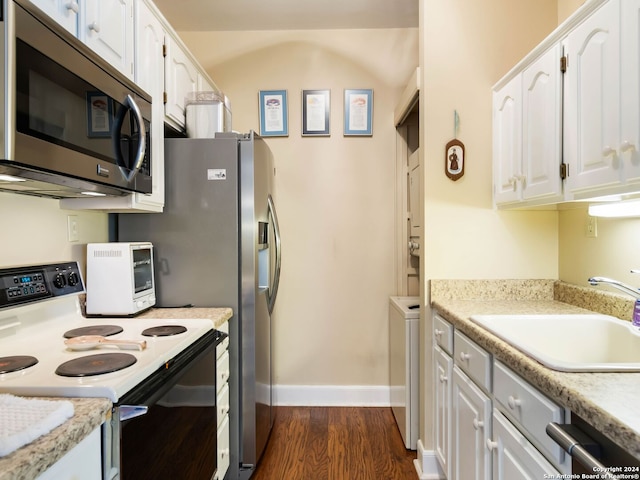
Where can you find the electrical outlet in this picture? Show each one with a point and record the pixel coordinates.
(72, 228)
(592, 227)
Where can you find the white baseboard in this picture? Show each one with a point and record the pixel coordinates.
(427, 464)
(332, 395)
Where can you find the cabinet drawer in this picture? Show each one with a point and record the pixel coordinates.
(222, 370)
(222, 403)
(223, 449)
(443, 333)
(224, 345)
(473, 360)
(529, 408)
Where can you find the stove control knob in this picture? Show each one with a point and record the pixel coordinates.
(73, 279)
(59, 281)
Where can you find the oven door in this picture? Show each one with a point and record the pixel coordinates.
(166, 427)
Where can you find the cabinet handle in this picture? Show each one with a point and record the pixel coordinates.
(73, 6)
(513, 181)
(477, 424)
(438, 332)
(465, 356)
(627, 146)
(224, 410)
(95, 26)
(607, 151)
(224, 376)
(224, 453)
(443, 378)
(513, 402)
(491, 445)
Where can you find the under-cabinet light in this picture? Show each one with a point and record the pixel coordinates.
(629, 208)
(94, 194)
(9, 178)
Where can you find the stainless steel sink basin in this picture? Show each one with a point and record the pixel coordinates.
(570, 343)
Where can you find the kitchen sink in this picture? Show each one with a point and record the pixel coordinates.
(570, 343)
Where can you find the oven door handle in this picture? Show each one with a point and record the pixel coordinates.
(126, 412)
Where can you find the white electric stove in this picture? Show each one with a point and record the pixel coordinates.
(39, 310)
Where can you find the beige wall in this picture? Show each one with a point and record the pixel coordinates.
(34, 230)
(613, 253)
(566, 8)
(335, 195)
(466, 48)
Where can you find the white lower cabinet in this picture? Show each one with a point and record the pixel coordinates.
(84, 461)
(514, 456)
(471, 428)
(490, 423)
(444, 369)
(222, 404)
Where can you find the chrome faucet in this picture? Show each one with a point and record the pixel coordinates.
(634, 292)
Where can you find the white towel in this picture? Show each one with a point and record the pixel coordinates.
(22, 420)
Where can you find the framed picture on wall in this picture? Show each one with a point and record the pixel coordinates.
(274, 117)
(316, 110)
(358, 112)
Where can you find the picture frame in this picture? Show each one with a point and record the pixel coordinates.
(99, 115)
(274, 113)
(358, 112)
(316, 111)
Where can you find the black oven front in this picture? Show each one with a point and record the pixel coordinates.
(166, 427)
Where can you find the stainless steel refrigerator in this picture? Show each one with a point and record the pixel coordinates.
(217, 243)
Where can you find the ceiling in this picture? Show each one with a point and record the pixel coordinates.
(208, 15)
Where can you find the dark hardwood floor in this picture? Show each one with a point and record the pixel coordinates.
(335, 443)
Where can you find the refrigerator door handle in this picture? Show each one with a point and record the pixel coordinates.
(273, 292)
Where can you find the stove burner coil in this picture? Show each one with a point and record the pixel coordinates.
(15, 363)
(104, 330)
(164, 331)
(95, 364)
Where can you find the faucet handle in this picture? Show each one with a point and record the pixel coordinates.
(635, 270)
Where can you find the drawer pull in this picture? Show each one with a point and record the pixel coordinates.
(513, 402)
(491, 445)
(478, 424)
(224, 376)
(443, 378)
(224, 452)
(224, 410)
(437, 332)
(465, 356)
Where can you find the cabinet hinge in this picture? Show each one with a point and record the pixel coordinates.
(564, 170)
(164, 97)
(164, 50)
(563, 63)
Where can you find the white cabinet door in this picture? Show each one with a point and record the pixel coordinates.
(592, 101)
(150, 37)
(64, 12)
(106, 26)
(514, 457)
(443, 371)
(84, 461)
(541, 126)
(507, 141)
(471, 428)
(630, 90)
(181, 79)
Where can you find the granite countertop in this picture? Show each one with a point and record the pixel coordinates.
(33, 459)
(89, 413)
(608, 401)
(217, 315)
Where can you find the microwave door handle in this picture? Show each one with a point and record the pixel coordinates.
(271, 295)
(129, 104)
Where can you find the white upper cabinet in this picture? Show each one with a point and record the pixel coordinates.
(527, 132)
(630, 90)
(64, 12)
(507, 141)
(581, 127)
(106, 26)
(181, 79)
(592, 101)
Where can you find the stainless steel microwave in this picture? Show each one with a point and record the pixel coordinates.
(73, 125)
